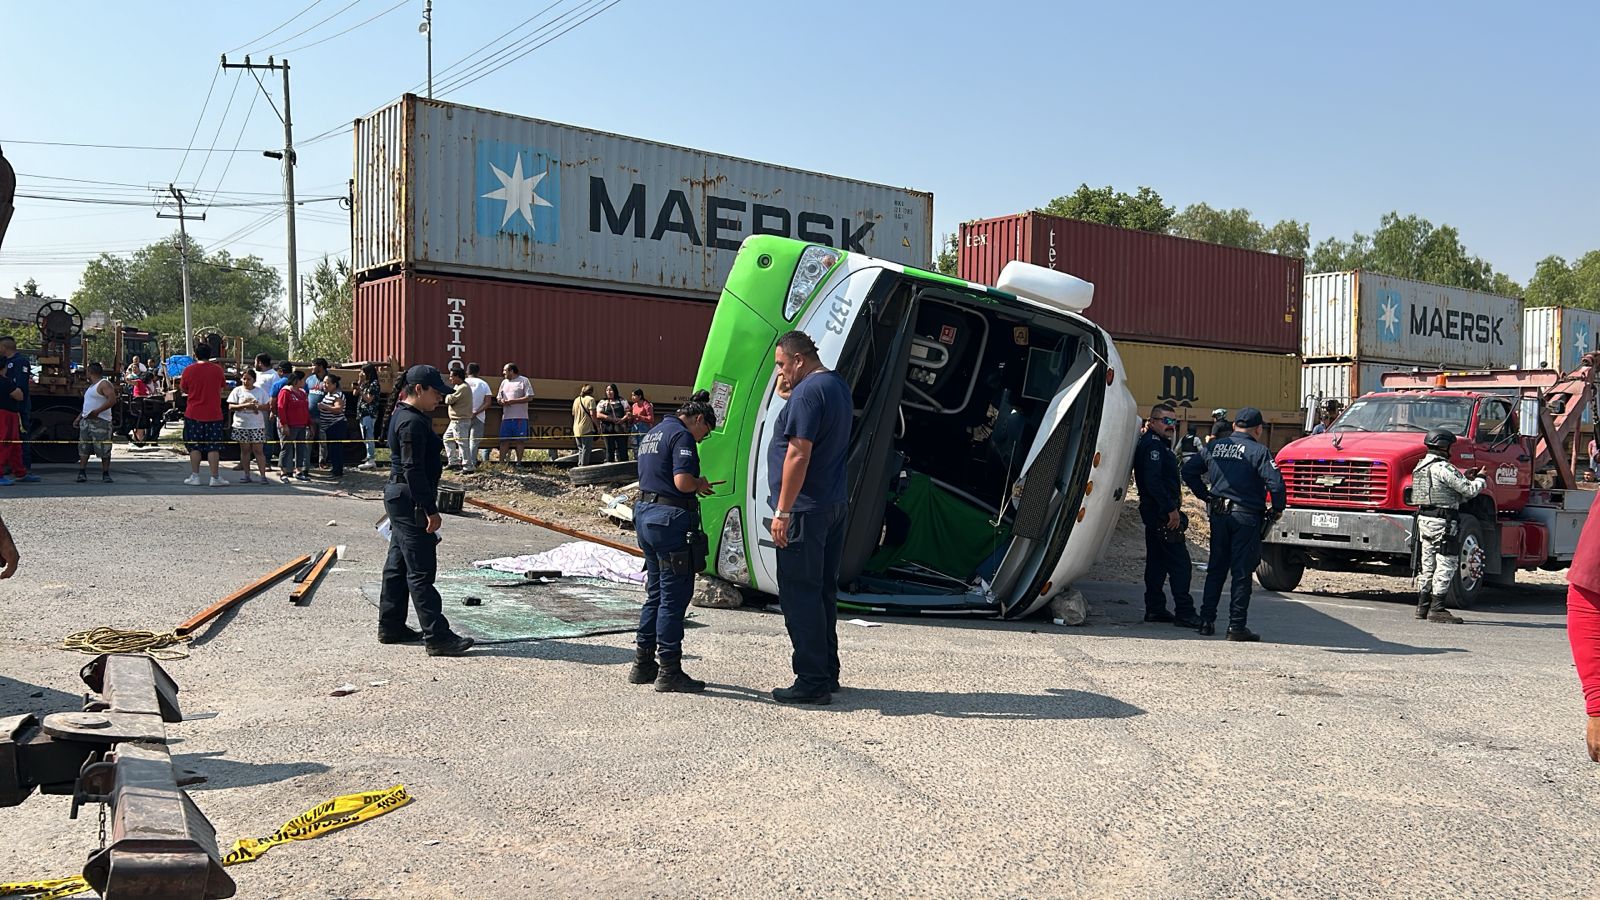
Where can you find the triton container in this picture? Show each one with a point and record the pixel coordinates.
(1152, 287)
(550, 332)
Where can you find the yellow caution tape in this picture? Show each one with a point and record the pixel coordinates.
(324, 818)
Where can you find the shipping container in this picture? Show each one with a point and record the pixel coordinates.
(450, 189)
(1342, 381)
(1152, 287)
(550, 332)
(1204, 379)
(1380, 318)
(1555, 337)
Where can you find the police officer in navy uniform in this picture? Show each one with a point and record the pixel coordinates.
(1240, 473)
(1166, 554)
(665, 516)
(411, 500)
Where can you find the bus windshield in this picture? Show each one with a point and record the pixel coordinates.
(1406, 413)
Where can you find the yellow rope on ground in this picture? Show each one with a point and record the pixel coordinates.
(111, 640)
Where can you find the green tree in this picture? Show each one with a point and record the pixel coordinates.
(948, 261)
(1413, 247)
(331, 333)
(1237, 228)
(1142, 211)
(237, 296)
(1556, 283)
(29, 288)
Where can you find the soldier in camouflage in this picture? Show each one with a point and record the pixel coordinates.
(1438, 489)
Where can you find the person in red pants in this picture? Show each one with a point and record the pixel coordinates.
(1583, 623)
(12, 468)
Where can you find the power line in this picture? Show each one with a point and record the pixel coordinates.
(448, 69)
(242, 126)
(312, 28)
(504, 58)
(110, 146)
(279, 28)
(345, 127)
(199, 121)
(107, 201)
(347, 30)
(220, 122)
(462, 84)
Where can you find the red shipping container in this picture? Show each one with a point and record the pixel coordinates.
(550, 332)
(1152, 287)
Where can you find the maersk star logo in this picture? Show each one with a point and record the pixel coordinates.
(1580, 341)
(1388, 316)
(518, 192)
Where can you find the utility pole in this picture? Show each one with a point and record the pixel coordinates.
(427, 29)
(288, 159)
(183, 262)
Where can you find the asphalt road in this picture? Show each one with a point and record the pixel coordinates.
(1355, 753)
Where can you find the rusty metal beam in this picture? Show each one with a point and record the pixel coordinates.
(302, 591)
(160, 844)
(244, 593)
(551, 526)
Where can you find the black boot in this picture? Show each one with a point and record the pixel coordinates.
(1424, 601)
(1437, 613)
(644, 668)
(673, 680)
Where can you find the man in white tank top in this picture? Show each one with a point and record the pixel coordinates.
(94, 423)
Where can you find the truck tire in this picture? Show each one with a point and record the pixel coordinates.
(1470, 574)
(1279, 570)
(605, 473)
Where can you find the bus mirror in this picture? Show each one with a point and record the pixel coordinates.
(1528, 417)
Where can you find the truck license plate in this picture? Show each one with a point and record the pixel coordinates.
(1323, 520)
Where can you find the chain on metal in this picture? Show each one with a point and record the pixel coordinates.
(103, 826)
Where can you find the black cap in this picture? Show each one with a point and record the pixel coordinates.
(427, 376)
(1249, 417)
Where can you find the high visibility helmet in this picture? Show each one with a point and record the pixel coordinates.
(1439, 439)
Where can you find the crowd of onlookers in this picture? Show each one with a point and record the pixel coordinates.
(616, 422)
(292, 423)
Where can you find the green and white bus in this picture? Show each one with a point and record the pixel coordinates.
(993, 435)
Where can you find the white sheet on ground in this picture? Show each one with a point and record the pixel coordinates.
(579, 558)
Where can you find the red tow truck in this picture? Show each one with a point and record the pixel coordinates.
(1349, 488)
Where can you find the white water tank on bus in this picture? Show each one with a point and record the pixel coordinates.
(1057, 290)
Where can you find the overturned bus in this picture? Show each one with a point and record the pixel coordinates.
(993, 426)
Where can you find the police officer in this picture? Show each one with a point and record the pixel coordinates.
(1220, 426)
(1240, 473)
(1166, 554)
(666, 518)
(1438, 488)
(411, 501)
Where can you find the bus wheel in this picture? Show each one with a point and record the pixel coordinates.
(1280, 569)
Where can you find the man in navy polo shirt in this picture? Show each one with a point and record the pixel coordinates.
(806, 473)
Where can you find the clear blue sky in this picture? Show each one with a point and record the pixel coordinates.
(1480, 115)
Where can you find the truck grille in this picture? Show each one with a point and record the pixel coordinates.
(1338, 482)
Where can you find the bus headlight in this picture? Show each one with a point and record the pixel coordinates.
(815, 263)
(731, 564)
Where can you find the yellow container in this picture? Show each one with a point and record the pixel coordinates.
(1205, 379)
